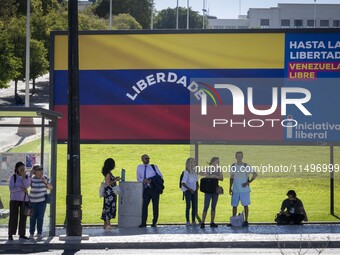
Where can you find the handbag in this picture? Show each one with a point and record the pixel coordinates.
(27, 207)
(208, 185)
(237, 221)
(116, 190)
(102, 189)
(219, 190)
(48, 198)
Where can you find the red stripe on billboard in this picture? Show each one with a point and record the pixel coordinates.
(121, 122)
(154, 122)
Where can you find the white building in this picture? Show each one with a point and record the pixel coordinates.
(284, 16)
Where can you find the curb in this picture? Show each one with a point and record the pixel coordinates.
(167, 245)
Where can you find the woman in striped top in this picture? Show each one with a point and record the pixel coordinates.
(40, 183)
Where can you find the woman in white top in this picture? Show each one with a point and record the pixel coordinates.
(190, 187)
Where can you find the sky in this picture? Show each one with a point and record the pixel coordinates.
(230, 9)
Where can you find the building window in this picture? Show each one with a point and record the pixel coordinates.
(336, 23)
(264, 23)
(298, 23)
(324, 23)
(310, 23)
(285, 23)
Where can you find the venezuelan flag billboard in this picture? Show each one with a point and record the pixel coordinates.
(235, 86)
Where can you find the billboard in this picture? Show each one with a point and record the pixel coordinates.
(235, 86)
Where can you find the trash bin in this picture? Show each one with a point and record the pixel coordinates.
(130, 204)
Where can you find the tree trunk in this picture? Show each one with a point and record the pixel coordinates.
(15, 87)
(33, 90)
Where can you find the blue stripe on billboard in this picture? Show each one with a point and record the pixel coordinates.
(158, 87)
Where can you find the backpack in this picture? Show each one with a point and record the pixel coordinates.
(157, 181)
(180, 179)
(180, 182)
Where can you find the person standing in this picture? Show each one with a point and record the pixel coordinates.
(239, 185)
(110, 198)
(214, 175)
(18, 185)
(189, 186)
(145, 174)
(40, 183)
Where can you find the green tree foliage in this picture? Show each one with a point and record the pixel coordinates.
(166, 19)
(38, 60)
(125, 21)
(139, 9)
(15, 34)
(9, 64)
(7, 11)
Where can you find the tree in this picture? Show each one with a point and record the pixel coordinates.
(9, 64)
(15, 33)
(125, 21)
(38, 60)
(139, 9)
(7, 11)
(166, 19)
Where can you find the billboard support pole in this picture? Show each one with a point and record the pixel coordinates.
(331, 186)
(73, 197)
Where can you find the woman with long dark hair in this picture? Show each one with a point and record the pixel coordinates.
(18, 185)
(110, 198)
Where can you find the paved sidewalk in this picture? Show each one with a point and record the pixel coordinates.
(8, 135)
(179, 236)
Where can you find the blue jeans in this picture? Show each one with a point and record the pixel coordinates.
(190, 199)
(207, 197)
(37, 217)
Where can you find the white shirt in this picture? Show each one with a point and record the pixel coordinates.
(149, 172)
(241, 175)
(190, 179)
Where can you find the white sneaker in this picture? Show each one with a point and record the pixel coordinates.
(31, 236)
(39, 236)
(188, 223)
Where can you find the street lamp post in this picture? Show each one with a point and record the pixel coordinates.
(110, 16)
(314, 13)
(203, 10)
(151, 25)
(177, 16)
(27, 69)
(188, 12)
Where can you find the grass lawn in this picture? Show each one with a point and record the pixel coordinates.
(268, 190)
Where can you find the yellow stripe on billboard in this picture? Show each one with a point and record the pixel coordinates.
(175, 51)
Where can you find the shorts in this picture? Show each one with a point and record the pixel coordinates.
(243, 197)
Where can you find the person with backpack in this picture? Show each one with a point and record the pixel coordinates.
(18, 185)
(147, 174)
(189, 185)
(209, 186)
(239, 185)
